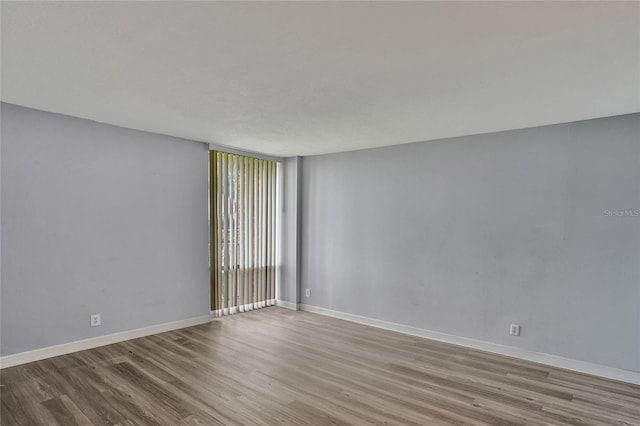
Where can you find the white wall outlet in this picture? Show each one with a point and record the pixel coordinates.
(95, 320)
(308, 292)
(514, 330)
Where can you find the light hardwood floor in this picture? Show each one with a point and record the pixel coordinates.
(276, 366)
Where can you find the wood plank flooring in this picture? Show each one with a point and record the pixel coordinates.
(276, 366)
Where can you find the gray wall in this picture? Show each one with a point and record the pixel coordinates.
(97, 219)
(291, 232)
(467, 235)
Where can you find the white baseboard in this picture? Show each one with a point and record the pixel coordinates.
(288, 305)
(94, 342)
(542, 358)
(525, 354)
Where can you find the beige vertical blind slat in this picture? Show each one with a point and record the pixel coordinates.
(213, 226)
(243, 236)
(233, 240)
(258, 230)
(224, 232)
(247, 235)
(262, 242)
(265, 251)
(254, 231)
(269, 236)
(240, 216)
(273, 209)
(220, 236)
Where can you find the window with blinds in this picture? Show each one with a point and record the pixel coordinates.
(243, 232)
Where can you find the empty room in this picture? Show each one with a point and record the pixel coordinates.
(320, 213)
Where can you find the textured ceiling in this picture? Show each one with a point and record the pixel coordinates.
(302, 78)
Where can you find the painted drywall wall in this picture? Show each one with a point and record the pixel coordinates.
(539, 227)
(291, 232)
(97, 219)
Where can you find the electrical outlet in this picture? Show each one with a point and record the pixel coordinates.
(514, 330)
(96, 320)
(308, 292)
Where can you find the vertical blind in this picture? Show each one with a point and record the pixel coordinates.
(243, 232)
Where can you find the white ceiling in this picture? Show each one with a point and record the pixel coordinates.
(302, 78)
